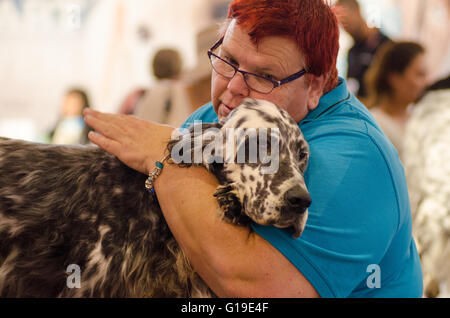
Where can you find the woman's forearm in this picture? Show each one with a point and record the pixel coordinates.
(216, 249)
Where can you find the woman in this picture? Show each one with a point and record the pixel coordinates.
(284, 51)
(395, 80)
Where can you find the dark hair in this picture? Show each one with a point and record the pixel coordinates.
(392, 57)
(441, 84)
(167, 63)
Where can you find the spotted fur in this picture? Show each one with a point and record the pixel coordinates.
(62, 205)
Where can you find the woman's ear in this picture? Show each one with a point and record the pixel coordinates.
(316, 85)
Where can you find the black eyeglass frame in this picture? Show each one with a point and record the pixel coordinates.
(276, 84)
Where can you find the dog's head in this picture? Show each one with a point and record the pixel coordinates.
(258, 155)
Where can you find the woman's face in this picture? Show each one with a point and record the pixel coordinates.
(410, 85)
(275, 56)
(72, 105)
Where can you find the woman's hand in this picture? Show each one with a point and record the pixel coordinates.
(137, 143)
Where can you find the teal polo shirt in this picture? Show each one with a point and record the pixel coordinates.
(358, 240)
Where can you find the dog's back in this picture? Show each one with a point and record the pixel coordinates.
(63, 205)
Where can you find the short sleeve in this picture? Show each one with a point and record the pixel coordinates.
(205, 113)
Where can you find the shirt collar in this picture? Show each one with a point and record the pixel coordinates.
(334, 97)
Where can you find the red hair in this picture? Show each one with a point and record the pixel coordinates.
(312, 24)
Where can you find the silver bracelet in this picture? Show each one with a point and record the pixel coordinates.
(154, 174)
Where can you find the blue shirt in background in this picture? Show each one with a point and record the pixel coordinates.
(358, 239)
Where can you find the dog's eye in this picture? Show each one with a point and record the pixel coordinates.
(303, 156)
(303, 162)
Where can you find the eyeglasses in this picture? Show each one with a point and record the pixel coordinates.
(255, 82)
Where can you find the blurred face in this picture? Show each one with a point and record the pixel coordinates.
(277, 57)
(410, 85)
(72, 105)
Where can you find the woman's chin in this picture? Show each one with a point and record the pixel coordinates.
(223, 111)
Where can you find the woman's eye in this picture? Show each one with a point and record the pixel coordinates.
(269, 77)
(231, 61)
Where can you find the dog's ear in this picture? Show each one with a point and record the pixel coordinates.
(230, 205)
(259, 148)
(187, 145)
(247, 147)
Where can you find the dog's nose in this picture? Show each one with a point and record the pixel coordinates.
(298, 198)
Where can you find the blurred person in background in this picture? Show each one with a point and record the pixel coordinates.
(366, 42)
(128, 106)
(395, 80)
(427, 166)
(70, 128)
(198, 78)
(165, 102)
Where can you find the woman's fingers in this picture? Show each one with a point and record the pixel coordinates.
(108, 131)
(107, 125)
(110, 145)
(136, 142)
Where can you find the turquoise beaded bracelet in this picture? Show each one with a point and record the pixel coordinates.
(154, 174)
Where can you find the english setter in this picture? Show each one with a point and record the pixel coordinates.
(78, 205)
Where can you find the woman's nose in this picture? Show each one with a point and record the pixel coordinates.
(237, 85)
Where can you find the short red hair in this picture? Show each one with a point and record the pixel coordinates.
(312, 24)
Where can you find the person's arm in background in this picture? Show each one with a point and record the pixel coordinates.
(233, 260)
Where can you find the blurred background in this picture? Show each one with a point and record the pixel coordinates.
(106, 47)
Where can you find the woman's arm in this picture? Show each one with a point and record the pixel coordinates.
(233, 260)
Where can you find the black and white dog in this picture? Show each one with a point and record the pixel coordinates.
(78, 207)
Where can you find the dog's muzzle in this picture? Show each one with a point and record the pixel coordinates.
(297, 199)
(295, 210)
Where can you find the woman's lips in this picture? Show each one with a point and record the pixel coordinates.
(225, 109)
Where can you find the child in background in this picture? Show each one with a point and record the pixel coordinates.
(70, 128)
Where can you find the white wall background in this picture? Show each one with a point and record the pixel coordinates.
(47, 46)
